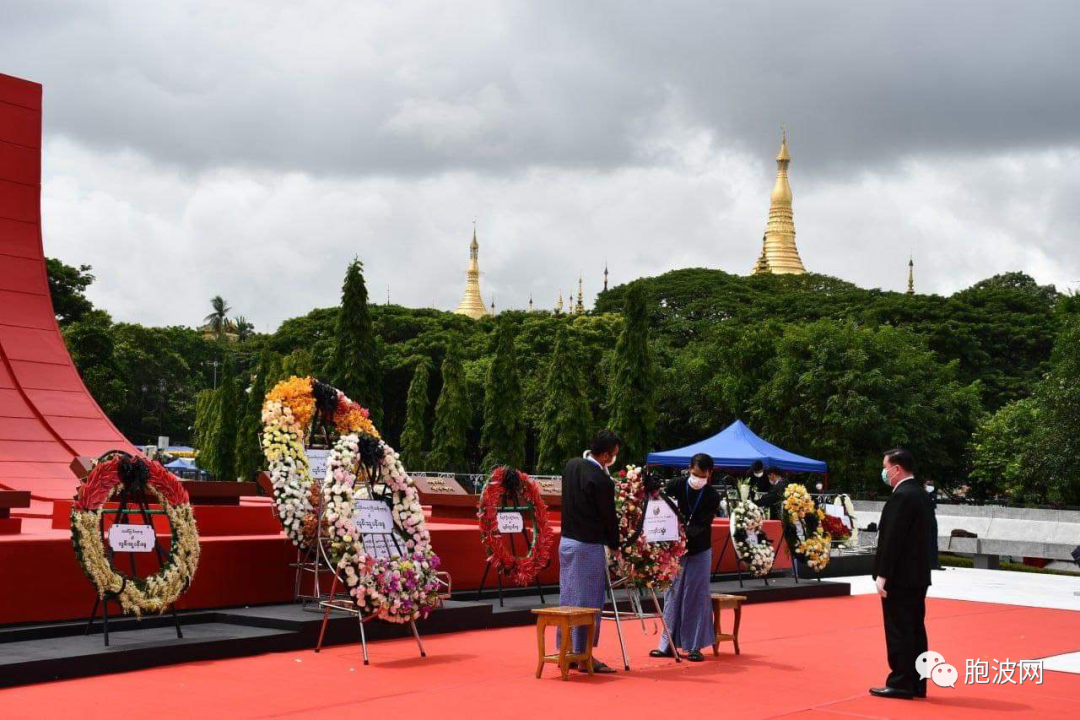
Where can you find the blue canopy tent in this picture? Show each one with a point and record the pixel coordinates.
(181, 464)
(736, 448)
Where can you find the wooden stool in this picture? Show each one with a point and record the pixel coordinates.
(565, 618)
(719, 602)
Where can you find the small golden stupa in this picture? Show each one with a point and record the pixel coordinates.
(472, 304)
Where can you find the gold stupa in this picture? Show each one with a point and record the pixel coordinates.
(472, 304)
(779, 255)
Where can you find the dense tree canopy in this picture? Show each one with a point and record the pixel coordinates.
(828, 368)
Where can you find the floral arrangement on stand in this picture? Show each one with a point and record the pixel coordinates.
(506, 483)
(852, 540)
(288, 413)
(643, 564)
(400, 584)
(834, 527)
(752, 547)
(803, 528)
(105, 481)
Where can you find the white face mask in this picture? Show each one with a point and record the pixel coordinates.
(697, 482)
(759, 474)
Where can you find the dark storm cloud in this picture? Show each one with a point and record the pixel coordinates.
(405, 89)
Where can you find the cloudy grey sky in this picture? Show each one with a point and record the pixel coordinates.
(251, 148)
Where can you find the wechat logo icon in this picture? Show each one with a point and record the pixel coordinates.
(932, 666)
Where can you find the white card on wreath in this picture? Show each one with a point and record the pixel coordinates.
(752, 537)
(800, 532)
(132, 538)
(373, 517)
(317, 462)
(383, 546)
(661, 522)
(510, 522)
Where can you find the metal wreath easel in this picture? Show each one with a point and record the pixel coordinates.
(346, 605)
(137, 497)
(634, 594)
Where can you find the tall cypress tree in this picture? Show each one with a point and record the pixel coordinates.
(249, 457)
(503, 436)
(354, 365)
(415, 432)
(222, 440)
(206, 411)
(566, 419)
(452, 414)
(632, 398)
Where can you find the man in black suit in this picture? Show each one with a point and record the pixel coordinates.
(773, 500)
(902, 572)
(589, 524)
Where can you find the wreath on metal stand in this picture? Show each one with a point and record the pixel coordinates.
(803, 530)
(512, 491)
(638, 565)
(130, 480)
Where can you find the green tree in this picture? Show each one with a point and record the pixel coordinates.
(221, 463)
(1058, 399)
(245, 329)
(354, 364)
(452, 415)
(632, 394)
(249, 456)
(503, 436)
(414, 436)
(218, 321)
(298, 363)
(207, 412)
(566, 422)
(67, 286)
(844, 394)
(1004, 454)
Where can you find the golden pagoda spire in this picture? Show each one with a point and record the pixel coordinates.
(472, 304)
(778, 253)
(605, 276)
(911, 276)
(559, 305)
(530, 303)
(580, 309)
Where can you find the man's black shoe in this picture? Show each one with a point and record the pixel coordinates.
(661, 653)
(888, 692)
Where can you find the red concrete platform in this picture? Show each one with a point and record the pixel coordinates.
(244, 561)
(814, 658)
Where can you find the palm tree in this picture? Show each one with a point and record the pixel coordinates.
(218, 321)
(244, 330)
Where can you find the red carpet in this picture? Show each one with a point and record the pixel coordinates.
(814, 658)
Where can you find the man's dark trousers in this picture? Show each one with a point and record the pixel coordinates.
(905, 637)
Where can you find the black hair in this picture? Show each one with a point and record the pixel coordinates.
(757, 467)
(901, 457)
(604, 441)
(702, 461)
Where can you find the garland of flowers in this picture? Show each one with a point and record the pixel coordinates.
(520, 569)
(135, 595)
(642, 563)
(752, 546)
(396, 589)
(287, 415)
(800, 512)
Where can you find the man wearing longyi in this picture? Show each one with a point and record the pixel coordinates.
(687, 603)
(588, 525)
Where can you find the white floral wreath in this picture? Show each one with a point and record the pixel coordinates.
(853, 539)
(396, 588)
(287, 415)
(752, 546)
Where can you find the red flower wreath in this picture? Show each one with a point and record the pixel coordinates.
(521, 569)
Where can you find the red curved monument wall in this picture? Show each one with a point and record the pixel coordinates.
(47, 417)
